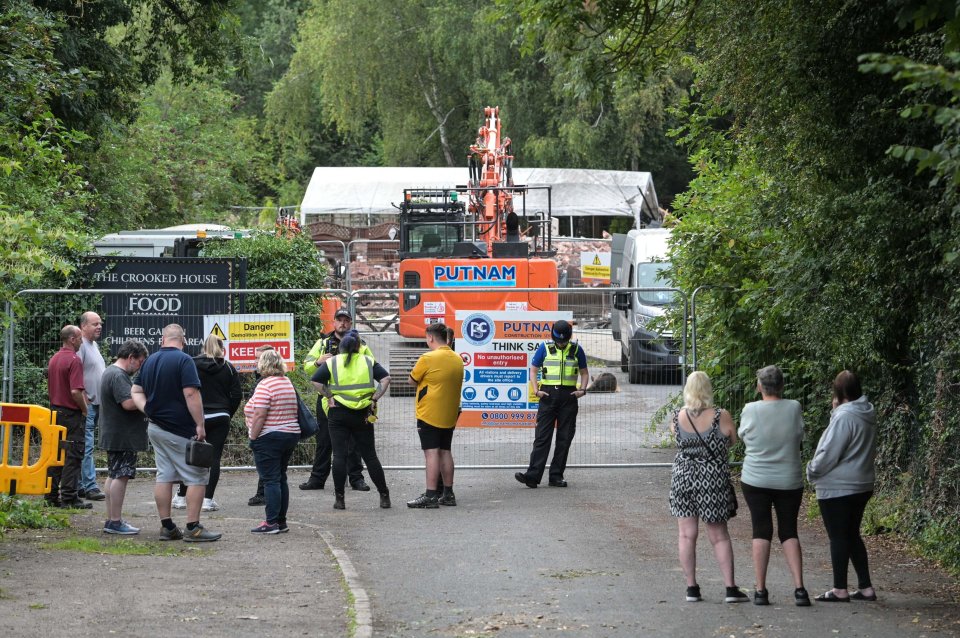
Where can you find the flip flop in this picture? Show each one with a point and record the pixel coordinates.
(860, 596)
(830, 597)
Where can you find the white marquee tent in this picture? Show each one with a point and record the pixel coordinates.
(575, 192)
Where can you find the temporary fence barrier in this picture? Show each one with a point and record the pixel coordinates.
(617, 419)
(29, 444)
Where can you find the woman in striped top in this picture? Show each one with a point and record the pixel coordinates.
(271, 415)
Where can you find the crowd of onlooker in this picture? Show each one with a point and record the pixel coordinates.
(772, 429)
(170, 399)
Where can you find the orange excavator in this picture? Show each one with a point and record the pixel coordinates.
(490, 245)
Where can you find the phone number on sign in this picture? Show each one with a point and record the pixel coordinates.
(508, 416)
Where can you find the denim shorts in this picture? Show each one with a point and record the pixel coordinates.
(170, 451)
(121, 464)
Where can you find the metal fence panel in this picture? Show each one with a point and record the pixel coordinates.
(612, 427)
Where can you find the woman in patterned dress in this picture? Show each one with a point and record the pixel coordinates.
(700, 487)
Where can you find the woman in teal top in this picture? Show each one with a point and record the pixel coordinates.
(772, 432)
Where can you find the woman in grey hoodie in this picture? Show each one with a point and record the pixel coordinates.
(843, 472)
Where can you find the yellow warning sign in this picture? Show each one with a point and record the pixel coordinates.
(595, 267)
(218, 331)
(591, 272)
(269, 329)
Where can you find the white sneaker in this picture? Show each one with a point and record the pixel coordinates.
(179, 503)
(209, 505)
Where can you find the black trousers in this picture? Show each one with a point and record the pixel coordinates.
(558, 410)
(842, 517)
(344, 424)
(322, 457)
(66, 479)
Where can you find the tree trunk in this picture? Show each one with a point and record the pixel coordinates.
(429, 88)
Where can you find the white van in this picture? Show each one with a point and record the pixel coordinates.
(637, 260)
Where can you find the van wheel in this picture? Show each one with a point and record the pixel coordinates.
(634, 374)
(624, 362)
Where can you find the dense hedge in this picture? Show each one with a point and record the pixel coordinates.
(828, 249)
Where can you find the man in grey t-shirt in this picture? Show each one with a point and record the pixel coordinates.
(123, 432)
(91, 325)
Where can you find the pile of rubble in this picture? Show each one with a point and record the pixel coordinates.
(568, 256)
(377, 262)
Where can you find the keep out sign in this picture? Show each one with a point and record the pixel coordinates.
(243, 335)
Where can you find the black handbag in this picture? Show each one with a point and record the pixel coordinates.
(200, 453)
(308, 422)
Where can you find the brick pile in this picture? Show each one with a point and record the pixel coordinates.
(378, 262)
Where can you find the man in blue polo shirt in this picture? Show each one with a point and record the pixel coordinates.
(168, 392)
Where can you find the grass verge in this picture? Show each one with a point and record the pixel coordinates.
(119, 547)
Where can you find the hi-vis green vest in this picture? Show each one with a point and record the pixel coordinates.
(352, 385)
(560, 366)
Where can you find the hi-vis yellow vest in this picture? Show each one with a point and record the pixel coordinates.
(352, 385)
(560, 366)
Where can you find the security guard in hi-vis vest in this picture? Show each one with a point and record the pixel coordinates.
(352, 383)
(326, 347)
(559, 377)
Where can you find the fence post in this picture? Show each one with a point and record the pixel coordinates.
(7, 389)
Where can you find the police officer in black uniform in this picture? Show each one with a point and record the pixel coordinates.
(559, 377)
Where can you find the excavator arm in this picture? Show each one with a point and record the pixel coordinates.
(491, 178)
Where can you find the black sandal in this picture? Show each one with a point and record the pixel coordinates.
(860, 596)
(830, 597)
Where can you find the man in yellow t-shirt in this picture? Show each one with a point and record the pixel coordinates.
(439, 377)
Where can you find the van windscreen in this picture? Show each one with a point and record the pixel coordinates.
(649, 276)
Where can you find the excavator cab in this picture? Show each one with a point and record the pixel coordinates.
(431, 222)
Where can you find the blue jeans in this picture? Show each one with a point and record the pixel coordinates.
(88, 471)
(271, 453)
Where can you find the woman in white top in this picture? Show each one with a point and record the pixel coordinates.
(772, 432)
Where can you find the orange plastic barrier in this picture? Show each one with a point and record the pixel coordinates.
(25, 420)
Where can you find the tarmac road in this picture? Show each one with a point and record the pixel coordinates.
(596, 559)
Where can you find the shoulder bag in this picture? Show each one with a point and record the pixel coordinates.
(308, 422)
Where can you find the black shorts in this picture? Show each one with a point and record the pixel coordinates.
(121, 464)
(434, 438)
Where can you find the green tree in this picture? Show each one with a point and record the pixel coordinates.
(826, 249)
(118, 46)
(276, 261)
(188, 157)
(44, 200)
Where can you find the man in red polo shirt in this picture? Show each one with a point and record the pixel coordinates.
(65, 390)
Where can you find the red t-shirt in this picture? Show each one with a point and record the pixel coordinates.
(64, 373)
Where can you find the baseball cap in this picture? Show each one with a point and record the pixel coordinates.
(343, 311)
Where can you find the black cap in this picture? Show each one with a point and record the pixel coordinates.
(562, 331)
(343, 311)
